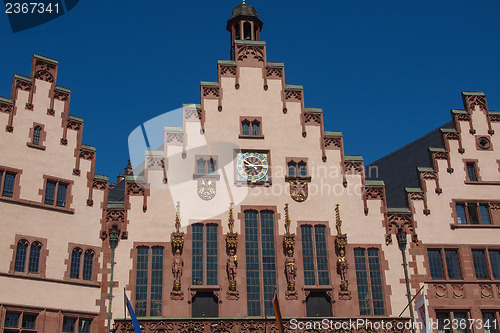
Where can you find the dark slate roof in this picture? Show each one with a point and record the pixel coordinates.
(399, 169)
(117, 194)
(244, 10)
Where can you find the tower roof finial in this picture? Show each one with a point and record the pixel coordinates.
(243, 2)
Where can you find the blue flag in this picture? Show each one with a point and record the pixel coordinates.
(135, 322)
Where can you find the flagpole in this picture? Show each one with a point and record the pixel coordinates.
(124, 303)
(265, 313)
(418, 292)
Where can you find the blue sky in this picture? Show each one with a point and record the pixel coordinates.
(384, 72)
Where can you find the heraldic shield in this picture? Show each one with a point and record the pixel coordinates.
(206, 188)
(299, 190)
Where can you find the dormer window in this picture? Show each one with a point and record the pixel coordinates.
(251, 128)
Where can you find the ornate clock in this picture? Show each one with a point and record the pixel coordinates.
(253, 167)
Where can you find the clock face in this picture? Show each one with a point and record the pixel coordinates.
(252, 166)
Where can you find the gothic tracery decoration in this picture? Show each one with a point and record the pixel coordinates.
(290, 266)
(177, 241)
(342, 264)
(232, 260)
(44, 70)
(251, 51)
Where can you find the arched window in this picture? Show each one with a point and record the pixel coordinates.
(76, 256)
(200, 169)
(292, 169)
(247, 28)
(22, 248)
(302, 169)
(34, 261)
(255, 128)
(36, 134)
(245, 128)
(212, 165)
(88, 260)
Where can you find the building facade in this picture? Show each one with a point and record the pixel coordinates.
(248, 197)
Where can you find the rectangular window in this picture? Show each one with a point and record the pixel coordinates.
(452, 264)
(69, 324)
(461, 218)
(12, 319)
(8, 184)
(55, 193)
(149, 281)
(156, 281)
(308, 255)
(260, 259)
(201, 242)
(197, 262)
(369, 282)
(76, 325)
(435, 264)
(495, 263)
(314, 255)
(141, 282)
(250, 127)
(484, 214)
(473, 213)
(480, 264)
(321, 255)
(490, 323)
(471, 171)
(212, 255)
(456, 321)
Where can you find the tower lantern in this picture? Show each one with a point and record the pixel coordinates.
(244, 24)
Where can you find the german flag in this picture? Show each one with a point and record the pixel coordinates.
(277, 313)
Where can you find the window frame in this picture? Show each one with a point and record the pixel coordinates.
(21, 313)
(133, 275)
(77, 319)
(42, 260)
(468, 223)
(204, 281)
(489, 267)
(206, 160)
(251, 121)
(475, 169)
(68, 196)
(31, 137)
(276, 216)
(381, 263)
(69, 261)
(313, 226)
(444, 264)
(15, 187)
(451, 316)
(297, 162)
